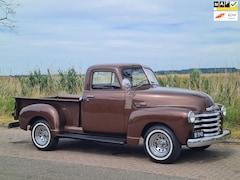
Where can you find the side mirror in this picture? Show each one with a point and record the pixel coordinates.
(126, 84)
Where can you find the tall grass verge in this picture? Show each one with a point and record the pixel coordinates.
(37, 84)
(224, 88)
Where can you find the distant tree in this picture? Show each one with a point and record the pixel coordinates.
(7, 10)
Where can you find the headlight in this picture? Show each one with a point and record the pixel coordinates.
(191, 117)
(223, 110)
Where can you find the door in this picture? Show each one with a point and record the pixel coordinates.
(103, 105)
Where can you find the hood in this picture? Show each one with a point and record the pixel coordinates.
(173, 97)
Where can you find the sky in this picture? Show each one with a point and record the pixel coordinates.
(164, 35)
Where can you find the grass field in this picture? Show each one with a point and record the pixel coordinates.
(224, 88)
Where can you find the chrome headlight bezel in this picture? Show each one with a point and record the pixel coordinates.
(191, 117)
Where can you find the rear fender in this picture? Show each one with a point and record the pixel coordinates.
(171, 117)
(44, 111)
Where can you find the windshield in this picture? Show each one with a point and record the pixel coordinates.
(140, 76)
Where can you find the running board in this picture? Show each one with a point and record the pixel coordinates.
(98, 138)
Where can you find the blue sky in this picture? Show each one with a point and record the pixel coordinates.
(165, 35)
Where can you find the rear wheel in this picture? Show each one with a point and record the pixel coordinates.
(161, 145)
(41, 136)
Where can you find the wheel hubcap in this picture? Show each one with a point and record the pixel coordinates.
(42, 135)
(159, 145)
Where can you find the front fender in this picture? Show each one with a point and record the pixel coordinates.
(172, 117)
(45, 111)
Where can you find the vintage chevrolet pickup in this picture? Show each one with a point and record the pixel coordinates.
(121, 104)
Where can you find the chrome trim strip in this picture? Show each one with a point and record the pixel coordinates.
(212, 108)
(207, 120)
(208, 115)
(211, 130)
(205, 141)
(207, 125)
(212, 134)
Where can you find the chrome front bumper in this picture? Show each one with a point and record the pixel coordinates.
(205, 141)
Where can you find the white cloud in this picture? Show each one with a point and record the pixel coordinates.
(162, 34)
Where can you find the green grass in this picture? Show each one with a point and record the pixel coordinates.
(223, 88)
(235, 130)
(5, 120)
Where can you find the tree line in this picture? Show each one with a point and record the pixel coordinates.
(202, 70)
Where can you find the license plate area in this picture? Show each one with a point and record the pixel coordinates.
(198, 134)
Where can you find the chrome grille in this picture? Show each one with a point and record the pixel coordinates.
(210, 124)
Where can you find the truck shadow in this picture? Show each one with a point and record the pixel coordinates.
(92, 147)
(214, 153)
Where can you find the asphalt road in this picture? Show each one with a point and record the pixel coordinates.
(73, 159)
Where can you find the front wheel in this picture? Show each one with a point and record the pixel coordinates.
(41, 136)
(161, 145)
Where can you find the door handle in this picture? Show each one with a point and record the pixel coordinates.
(140, 104)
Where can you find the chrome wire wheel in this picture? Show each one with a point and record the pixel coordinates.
(41, 135)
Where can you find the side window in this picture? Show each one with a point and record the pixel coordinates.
(105, 80)
(134, 75)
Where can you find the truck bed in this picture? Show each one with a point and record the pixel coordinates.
(68, 107)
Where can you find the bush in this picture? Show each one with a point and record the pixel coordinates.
(195, 79)
(70, 81)
(6, 106)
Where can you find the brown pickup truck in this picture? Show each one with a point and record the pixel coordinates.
(121, 104)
